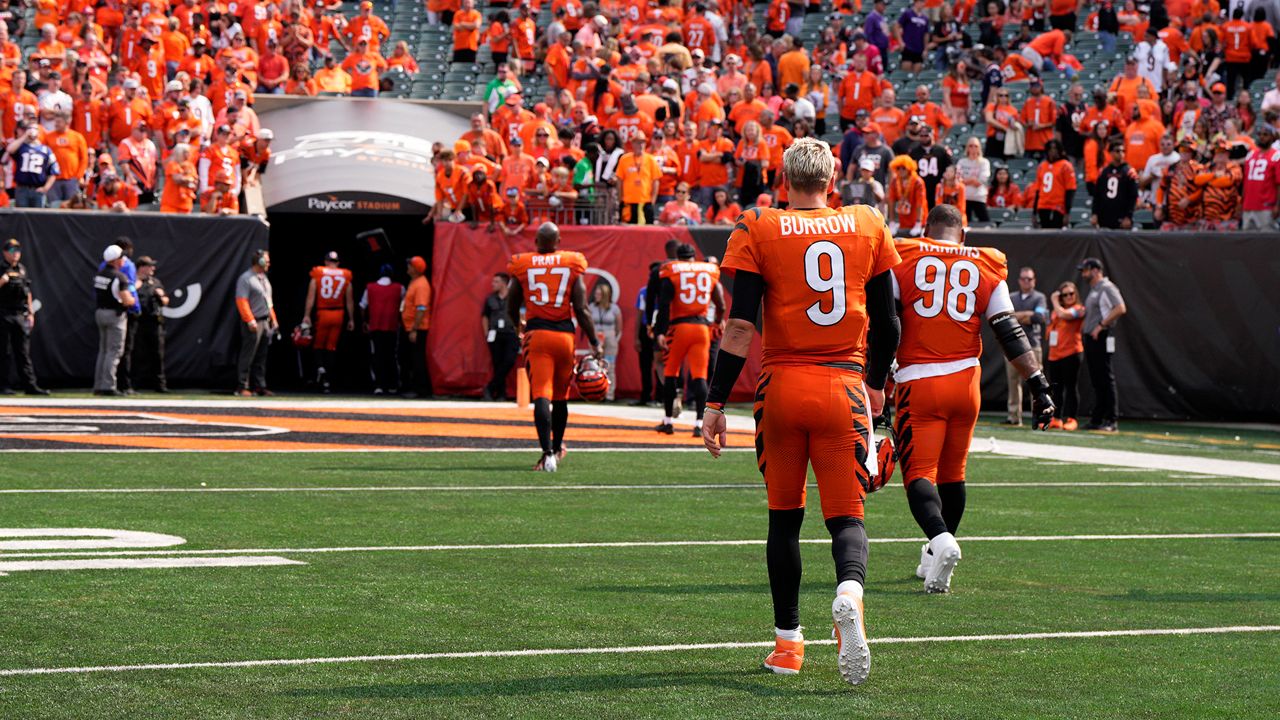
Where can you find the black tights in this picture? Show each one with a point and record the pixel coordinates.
(671, 387)
(782, 552)
(550, 419)
(936, 509)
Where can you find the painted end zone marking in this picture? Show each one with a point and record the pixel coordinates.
(146, 563)
(1229, 629)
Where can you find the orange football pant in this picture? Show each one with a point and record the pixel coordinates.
(934, 425)
(689, 342)
(328, 329)
(813, 414)
(549, 357)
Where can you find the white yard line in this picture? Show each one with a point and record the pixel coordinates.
(643, 487)
(634, 649)
(632, 544)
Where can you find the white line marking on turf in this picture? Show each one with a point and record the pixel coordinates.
(634, 544)
(588, 488)
(146, 563)
(1123, 469)
(635, 649)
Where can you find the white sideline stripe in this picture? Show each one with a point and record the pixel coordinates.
(1123, 469)
(634, 649)
(362, 450)
(1130, 459)
(639, 486)
(145, 563)
(634, 544)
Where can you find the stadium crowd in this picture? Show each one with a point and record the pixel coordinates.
(678, 113)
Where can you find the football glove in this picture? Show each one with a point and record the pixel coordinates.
(1041, 403)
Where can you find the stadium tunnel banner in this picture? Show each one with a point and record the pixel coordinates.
(1202, 335)
(355, 157)
(199, 259)
(465, 260)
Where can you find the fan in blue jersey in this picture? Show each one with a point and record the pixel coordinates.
(35, 168)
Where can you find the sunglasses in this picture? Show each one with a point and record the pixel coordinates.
(1068, 293)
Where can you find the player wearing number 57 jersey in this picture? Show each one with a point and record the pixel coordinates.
(822, 276)
(945, 290)
(548, 283)
(329, 294)
(683, 330)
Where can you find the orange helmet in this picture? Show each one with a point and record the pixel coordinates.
(592, 379)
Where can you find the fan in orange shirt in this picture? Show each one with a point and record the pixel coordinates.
(906, 196)
(1054, 188)
(181, 181)
(821, 277)
(466, 32)
(368, 26)
(930, 113)
(220, 199)
(451, 188)
(1039, 114)
(858, 91)
(364, 65)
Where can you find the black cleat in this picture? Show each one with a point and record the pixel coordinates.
(697, 431)
(34, 390)
(665, 429)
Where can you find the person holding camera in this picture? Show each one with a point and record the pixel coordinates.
(35, 168)
(17, 319)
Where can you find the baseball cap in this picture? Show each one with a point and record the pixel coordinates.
(462, 146)
(173, 86)
(513, 192)
(366, 5)
(670, 84)
(1218, 87)
(862, 113)
(145, 261)
(12, 243)
(266, 134)
(1090, 264)
(542, 161)
(417, 263)
(867, 163)
(113, 252)
(513, 99)
(639, 135)
(224, 128)
(331, 256)
(131, 84)
(698, 53)
(517, 140)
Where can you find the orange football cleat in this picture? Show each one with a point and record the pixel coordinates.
(786, 658)
(1055, 424)
(1070, 425)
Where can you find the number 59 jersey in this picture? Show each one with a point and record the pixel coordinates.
(547, 280)
(815, 265)
(693, 283)
(945, 290)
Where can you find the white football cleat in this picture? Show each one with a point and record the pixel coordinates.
(946, 555)
(852, 652)
(546, 464)
(926, 562)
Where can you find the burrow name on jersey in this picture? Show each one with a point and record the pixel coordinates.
(831, 225)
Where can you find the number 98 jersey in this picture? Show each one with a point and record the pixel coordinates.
(944, 291)
(815, 265)
(547, 280)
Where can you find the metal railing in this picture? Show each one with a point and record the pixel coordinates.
(600, 210)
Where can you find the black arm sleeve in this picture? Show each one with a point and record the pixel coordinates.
(884, 330)
(665, 296)
(1013, 339)
(748, 293)
(1071, 196)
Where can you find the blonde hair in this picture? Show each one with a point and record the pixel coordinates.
(809, 165)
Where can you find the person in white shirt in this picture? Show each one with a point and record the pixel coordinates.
(1153, 59)
(1271, 101)
(1156, 166)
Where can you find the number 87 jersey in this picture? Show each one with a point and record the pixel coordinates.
(945, 290)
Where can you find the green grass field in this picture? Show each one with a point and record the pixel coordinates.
(403, 601)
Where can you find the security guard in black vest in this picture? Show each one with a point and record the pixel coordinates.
(148, 355)
(17, 319)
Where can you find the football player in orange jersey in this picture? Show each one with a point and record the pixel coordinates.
(945, 290)
(330, 294)
(548, 283)
(823, 277)
(683, 331)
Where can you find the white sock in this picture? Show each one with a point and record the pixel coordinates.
(850, 587)
(942, 542)
(666, 420)
(789, 634)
